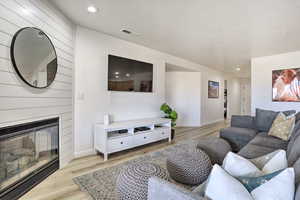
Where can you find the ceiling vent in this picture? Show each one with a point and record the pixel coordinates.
(126, 31)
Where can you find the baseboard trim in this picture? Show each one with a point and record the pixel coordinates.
(87, 152)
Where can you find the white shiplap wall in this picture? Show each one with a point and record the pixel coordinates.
(20, 103)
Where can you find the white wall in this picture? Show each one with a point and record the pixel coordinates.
(183, 92)
(92, 49)
(212, 110)
(93, 100)
(21, 103)
(261, 81)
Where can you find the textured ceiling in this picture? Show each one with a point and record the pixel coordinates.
(218, 34)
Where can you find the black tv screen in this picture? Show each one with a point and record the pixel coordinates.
(129, 75)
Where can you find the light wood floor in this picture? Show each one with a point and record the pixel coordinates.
(59, 186)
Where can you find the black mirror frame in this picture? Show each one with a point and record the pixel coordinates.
(12, 57)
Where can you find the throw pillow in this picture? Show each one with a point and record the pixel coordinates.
(282, 126)
(251, 183)
(281, 187)
(237, 166)
(220, 184)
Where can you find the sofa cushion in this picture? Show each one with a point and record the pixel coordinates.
(296, 167)
(297, 116)
(294, 153)
(294, 136)
(237, 137)
(215, 148)
(242, 121)
(262, 139)
(297, 193)
(159, 189)
(289, 112)
(265, 118)
(253, 151)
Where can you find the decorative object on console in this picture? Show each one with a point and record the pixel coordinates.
(106, 119)
(286, 85)
(34, 57)
(170, 114)
(213, 89)
(282, 126)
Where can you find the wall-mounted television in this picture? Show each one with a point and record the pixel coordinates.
(129, 75)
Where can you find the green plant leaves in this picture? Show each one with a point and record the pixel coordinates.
(170, 114)
(165, 108)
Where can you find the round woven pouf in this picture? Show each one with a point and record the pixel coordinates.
(192, 167)
(132, 183)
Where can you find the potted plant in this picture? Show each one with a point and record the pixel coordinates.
(170, 114)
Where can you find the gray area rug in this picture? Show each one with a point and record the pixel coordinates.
(101, 184)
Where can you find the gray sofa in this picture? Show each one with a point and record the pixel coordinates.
(248, 137)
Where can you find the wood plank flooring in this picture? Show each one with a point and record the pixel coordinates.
(60, 185)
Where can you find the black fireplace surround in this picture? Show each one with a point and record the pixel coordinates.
(28, 154)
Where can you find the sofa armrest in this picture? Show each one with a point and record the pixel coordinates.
(297, 192)
(243, 121)
(159, 189)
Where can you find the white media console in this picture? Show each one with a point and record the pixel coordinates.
(123, 135)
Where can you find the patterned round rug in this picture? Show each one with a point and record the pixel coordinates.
(101, 184)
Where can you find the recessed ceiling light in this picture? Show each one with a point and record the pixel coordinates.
(117, 76)
(127, 74)
(238, 69)
(26, 11)
(116, 73)
(92, 9)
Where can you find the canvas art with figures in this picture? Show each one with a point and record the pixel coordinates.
(286, 85)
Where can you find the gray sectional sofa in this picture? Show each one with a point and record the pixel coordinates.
(248, 137)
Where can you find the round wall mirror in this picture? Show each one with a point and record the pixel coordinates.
(33, 56)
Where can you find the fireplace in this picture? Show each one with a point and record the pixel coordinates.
(28, 154)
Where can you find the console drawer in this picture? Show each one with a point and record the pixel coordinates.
(119, 144)
(162, 133)
(144, 138)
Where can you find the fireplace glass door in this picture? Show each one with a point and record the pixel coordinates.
(23, 154)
